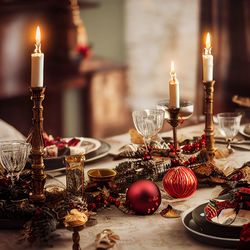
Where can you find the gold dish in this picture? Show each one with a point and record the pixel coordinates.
(101, 174)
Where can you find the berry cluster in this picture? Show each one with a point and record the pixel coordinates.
(193, 147)
(100, 195)
(101, 201)
(175, 162)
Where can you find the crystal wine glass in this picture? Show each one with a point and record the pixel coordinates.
(229, 125)
(148, 123)
(13, 157)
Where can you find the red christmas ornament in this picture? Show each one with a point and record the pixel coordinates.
(180, 182)
(143, 197)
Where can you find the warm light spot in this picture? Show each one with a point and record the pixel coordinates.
(172, 67)
(38, 35)
(208, 41)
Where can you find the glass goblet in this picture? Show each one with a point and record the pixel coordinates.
(229, 125)
(13, 157)
(148, 123)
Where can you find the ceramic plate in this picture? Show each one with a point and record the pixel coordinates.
(204, 235)
(241, 130)
(57, 163)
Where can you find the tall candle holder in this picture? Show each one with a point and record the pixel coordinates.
(36, 138)
(208, 112)
(175, 116)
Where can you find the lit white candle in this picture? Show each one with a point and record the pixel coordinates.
(207, 59)
(37, 59)
(174, 92)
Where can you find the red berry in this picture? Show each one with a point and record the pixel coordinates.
(117, 203)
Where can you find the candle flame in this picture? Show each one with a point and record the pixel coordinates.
(38, 40)
(38, 35)
(208, 41)
(172, 70)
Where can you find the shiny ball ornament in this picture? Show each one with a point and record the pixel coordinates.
(180, 182)
(143, 197)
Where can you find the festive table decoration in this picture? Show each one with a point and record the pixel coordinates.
(180, 182)
(75, 222)
(40, 226)
(170, 212)
(143, 197)
(100, 197)
(75, 218)
(106, 239)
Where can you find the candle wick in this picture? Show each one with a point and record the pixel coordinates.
(173, 75)
(208, 51)
(37, 48)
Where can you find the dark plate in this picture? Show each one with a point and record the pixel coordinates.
(214, 228)
(204, 235)
(58, 163)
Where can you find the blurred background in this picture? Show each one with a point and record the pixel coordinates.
(105, 58)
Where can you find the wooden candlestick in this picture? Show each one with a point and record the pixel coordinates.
(36, 138)
(208, 112)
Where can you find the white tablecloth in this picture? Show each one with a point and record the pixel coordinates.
(137, 232)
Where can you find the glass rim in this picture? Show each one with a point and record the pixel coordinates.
(14, 141)
(229, 115)
(75, 158)
(156, 110)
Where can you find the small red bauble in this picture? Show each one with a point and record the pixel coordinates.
(143, 197)
(180, 182)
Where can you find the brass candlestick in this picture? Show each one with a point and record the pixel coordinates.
(208, 111)
(174, 122)
(175, 116)
(36, 138)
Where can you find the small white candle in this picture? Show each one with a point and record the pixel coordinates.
(37, 59)
(174, 92)
(207, 60)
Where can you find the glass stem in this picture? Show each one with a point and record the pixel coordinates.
(229, 145)
(12, 179)
(146, 144)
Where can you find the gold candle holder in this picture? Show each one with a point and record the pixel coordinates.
(174, 122)
(208, 112)
(175, 116)
(36, 139)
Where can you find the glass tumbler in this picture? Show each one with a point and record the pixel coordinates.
(75, 174)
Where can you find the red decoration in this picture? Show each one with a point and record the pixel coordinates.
(180, 182)
(143, 197)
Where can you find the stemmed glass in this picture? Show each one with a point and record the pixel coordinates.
(148, 123)
(13, 157)
(229, 125)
